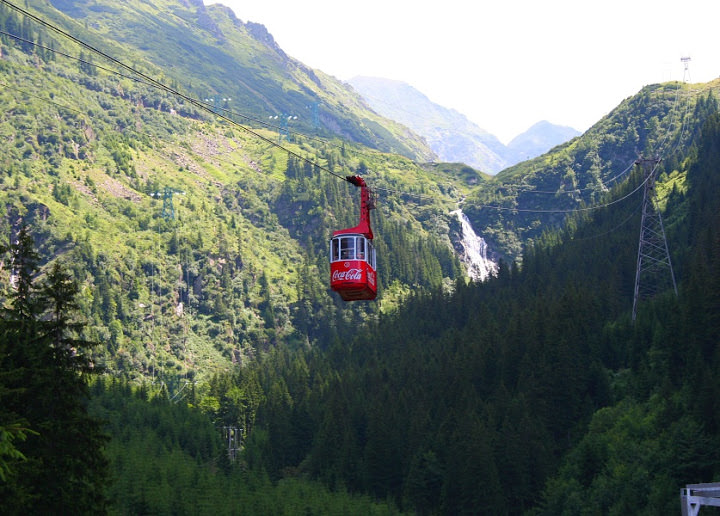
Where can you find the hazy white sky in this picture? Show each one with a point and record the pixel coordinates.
(505, 64)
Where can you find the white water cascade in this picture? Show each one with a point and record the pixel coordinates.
(475, 249)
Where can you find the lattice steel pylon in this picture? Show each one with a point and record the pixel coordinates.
(686, 64)
(168, 208)
(654, 272)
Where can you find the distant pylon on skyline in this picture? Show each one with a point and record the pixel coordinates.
(686, 72)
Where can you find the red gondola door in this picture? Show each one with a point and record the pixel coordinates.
(352, 255)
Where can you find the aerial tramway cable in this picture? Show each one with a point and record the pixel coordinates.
(352, 237)
(157, 84)
(573, 210)
(227, 115)
(353, 269)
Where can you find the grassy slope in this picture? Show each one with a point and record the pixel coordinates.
(87, 159)
(209, 53)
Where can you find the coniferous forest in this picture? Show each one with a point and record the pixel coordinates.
(169, 345)
(532, 393)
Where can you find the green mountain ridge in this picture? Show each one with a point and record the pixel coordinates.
(209, 53)
(198, 243)
(199, 247)
(450, 134)
(96, 161)
(525, 200)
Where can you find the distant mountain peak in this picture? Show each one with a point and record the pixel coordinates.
(450, 134)
(540, 138)
(261, 34)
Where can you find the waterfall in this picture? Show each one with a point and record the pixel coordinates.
(475, 249)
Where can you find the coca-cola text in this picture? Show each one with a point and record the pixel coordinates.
(348, 275)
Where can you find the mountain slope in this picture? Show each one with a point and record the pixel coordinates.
(539, 139)
(536, 385)
(450, 134)
(210, 54)
(199, 246)
(93, 159)
(527, 199)
(198, 243)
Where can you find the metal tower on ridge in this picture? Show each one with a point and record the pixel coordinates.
(686, 64)
(654, 272)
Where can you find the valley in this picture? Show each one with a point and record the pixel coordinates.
(165, 278)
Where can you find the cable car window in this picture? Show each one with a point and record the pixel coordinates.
(347, 248)
(355, 247)
(371, 255)
(361, 248)
(334, 250)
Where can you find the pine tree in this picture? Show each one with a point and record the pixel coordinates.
(45, 366)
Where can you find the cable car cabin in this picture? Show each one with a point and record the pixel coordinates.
(352, 255)
(352, 267)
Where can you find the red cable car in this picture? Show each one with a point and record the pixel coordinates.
(352, 255)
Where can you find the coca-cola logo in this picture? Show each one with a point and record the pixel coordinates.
(348, 275)
(371, 278)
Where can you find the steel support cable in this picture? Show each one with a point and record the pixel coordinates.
(670, 122)
(207, 107)
(684, 125)
(683, 121)
(43, 99)
(548, 192)
(527, 210)
(124, 76)
(79, 111)
(574, 210)
(155, 83)
(632, 215)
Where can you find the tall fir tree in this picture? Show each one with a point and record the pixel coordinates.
(43, 370)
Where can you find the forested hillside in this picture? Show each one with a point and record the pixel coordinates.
(209, 54)
(525, 200)
(532, 393)
(197, 243)
(175, 250)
